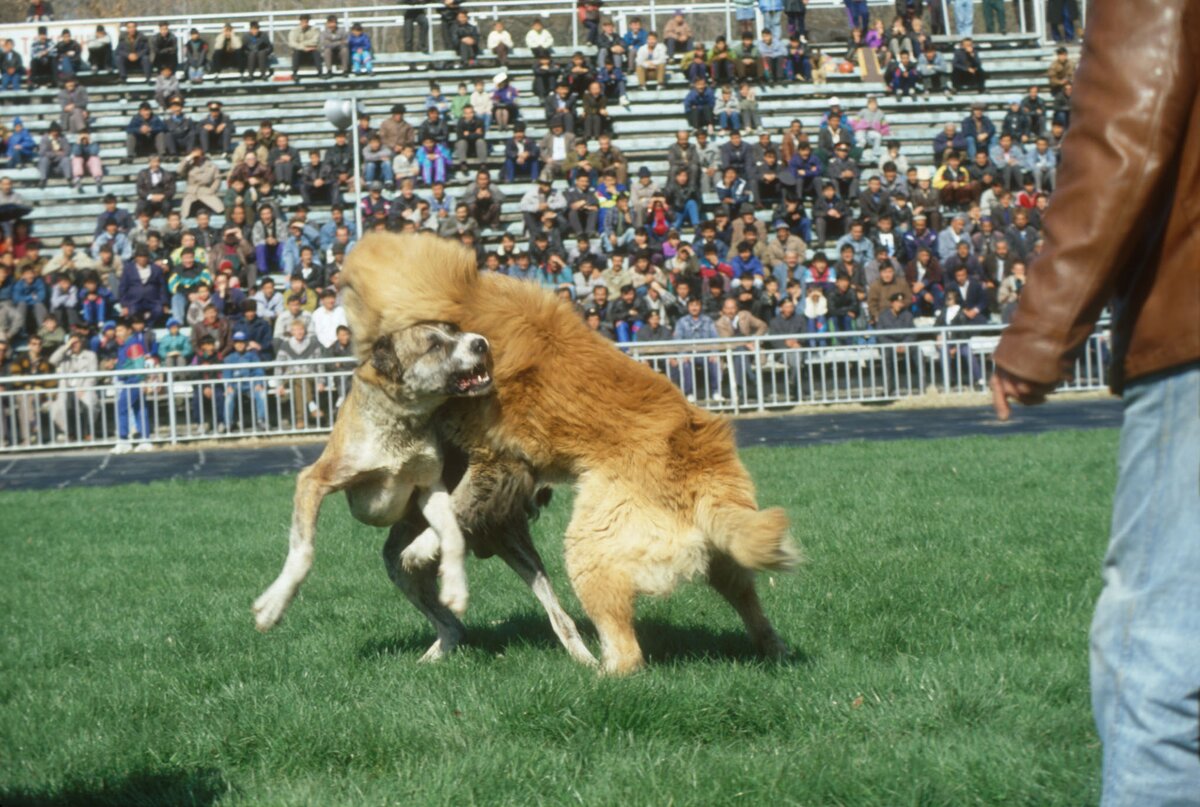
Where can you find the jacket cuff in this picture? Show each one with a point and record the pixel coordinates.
(1032, 357)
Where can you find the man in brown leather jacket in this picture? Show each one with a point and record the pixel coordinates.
(1123, 227)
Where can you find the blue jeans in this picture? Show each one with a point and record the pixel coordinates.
(964, 17)
(10, 81)
(378, 170)
(690, 212)
(1145, 644)
(179, 305)
(233, 395)
(130, 406)
(729, 120)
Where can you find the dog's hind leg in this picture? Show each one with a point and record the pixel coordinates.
(736, 584)
(518, 552)
(420, 587)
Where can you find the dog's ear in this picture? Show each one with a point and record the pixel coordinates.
(384, 360)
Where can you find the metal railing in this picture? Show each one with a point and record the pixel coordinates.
(172, 405)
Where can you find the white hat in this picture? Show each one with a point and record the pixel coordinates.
(835, 101)
(500, 77)
(923, 173)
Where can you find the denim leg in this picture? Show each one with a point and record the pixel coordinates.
(179, 305)
(1145, 642)
(123, 413)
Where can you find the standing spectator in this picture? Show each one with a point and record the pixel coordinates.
(54, 154)
(416, 26)
(133, 52)
(328, 318)
(305, 44)
(143, 289)
(74, 408)
(244, 381)
(28, 407)
(164, 49)
(257, 49)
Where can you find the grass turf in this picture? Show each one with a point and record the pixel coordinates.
(940, 632)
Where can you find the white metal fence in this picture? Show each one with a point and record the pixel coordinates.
(171, 405)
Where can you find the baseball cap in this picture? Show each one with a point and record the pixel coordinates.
(239, 336)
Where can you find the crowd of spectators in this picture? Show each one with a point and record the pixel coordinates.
(830, 228)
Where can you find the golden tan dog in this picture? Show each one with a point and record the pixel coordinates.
(661, 494)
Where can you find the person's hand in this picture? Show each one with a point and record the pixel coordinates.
(1006, 387)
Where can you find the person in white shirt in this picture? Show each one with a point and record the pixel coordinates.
(327, 318)
(651, 58)
(499, 42)
(539, 37)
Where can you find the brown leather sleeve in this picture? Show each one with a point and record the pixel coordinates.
(1133, 94)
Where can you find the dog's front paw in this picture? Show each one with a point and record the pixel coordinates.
(421, 552)
(454, 593)
(268, 609)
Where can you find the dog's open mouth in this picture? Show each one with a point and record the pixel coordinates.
(475, 381)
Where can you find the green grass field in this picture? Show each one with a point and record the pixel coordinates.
(939, 630)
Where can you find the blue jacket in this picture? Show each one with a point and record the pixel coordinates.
(234, 372)
(258, 330)
(753, 266)
(30, 293)
(138, 296)
(98, 310)
(154, 122)
(359, 42)
(699, 100)
(634, 41)
(701, 327)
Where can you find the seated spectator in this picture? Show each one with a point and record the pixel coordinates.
(180, 133)
(466, 39)
(539, 38)
(748, 59)
(934, 72)
(166, 87)
(304, 41)
(521, 155)
(470, 145)
(362, 54)
(699, 104)
(651, 62)
(145, 134)
(774, 54)
(12, 67)
(256, 52)
(967, 71)
(971, 295)
(41, 60)
(953, 184)
(677, 34)
(318, 182)
(594, 112)
(100, 51)
(334, 43)
(155, 189)
(504, 102)
(54, 155)
(610, 46)
(1042, 164)
(133, 53)
(73, 101)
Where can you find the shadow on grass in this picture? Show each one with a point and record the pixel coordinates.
(662, 642)
(198, 787)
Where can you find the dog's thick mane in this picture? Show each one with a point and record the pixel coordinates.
(397, 281)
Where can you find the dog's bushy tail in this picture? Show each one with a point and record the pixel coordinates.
(755, 539)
